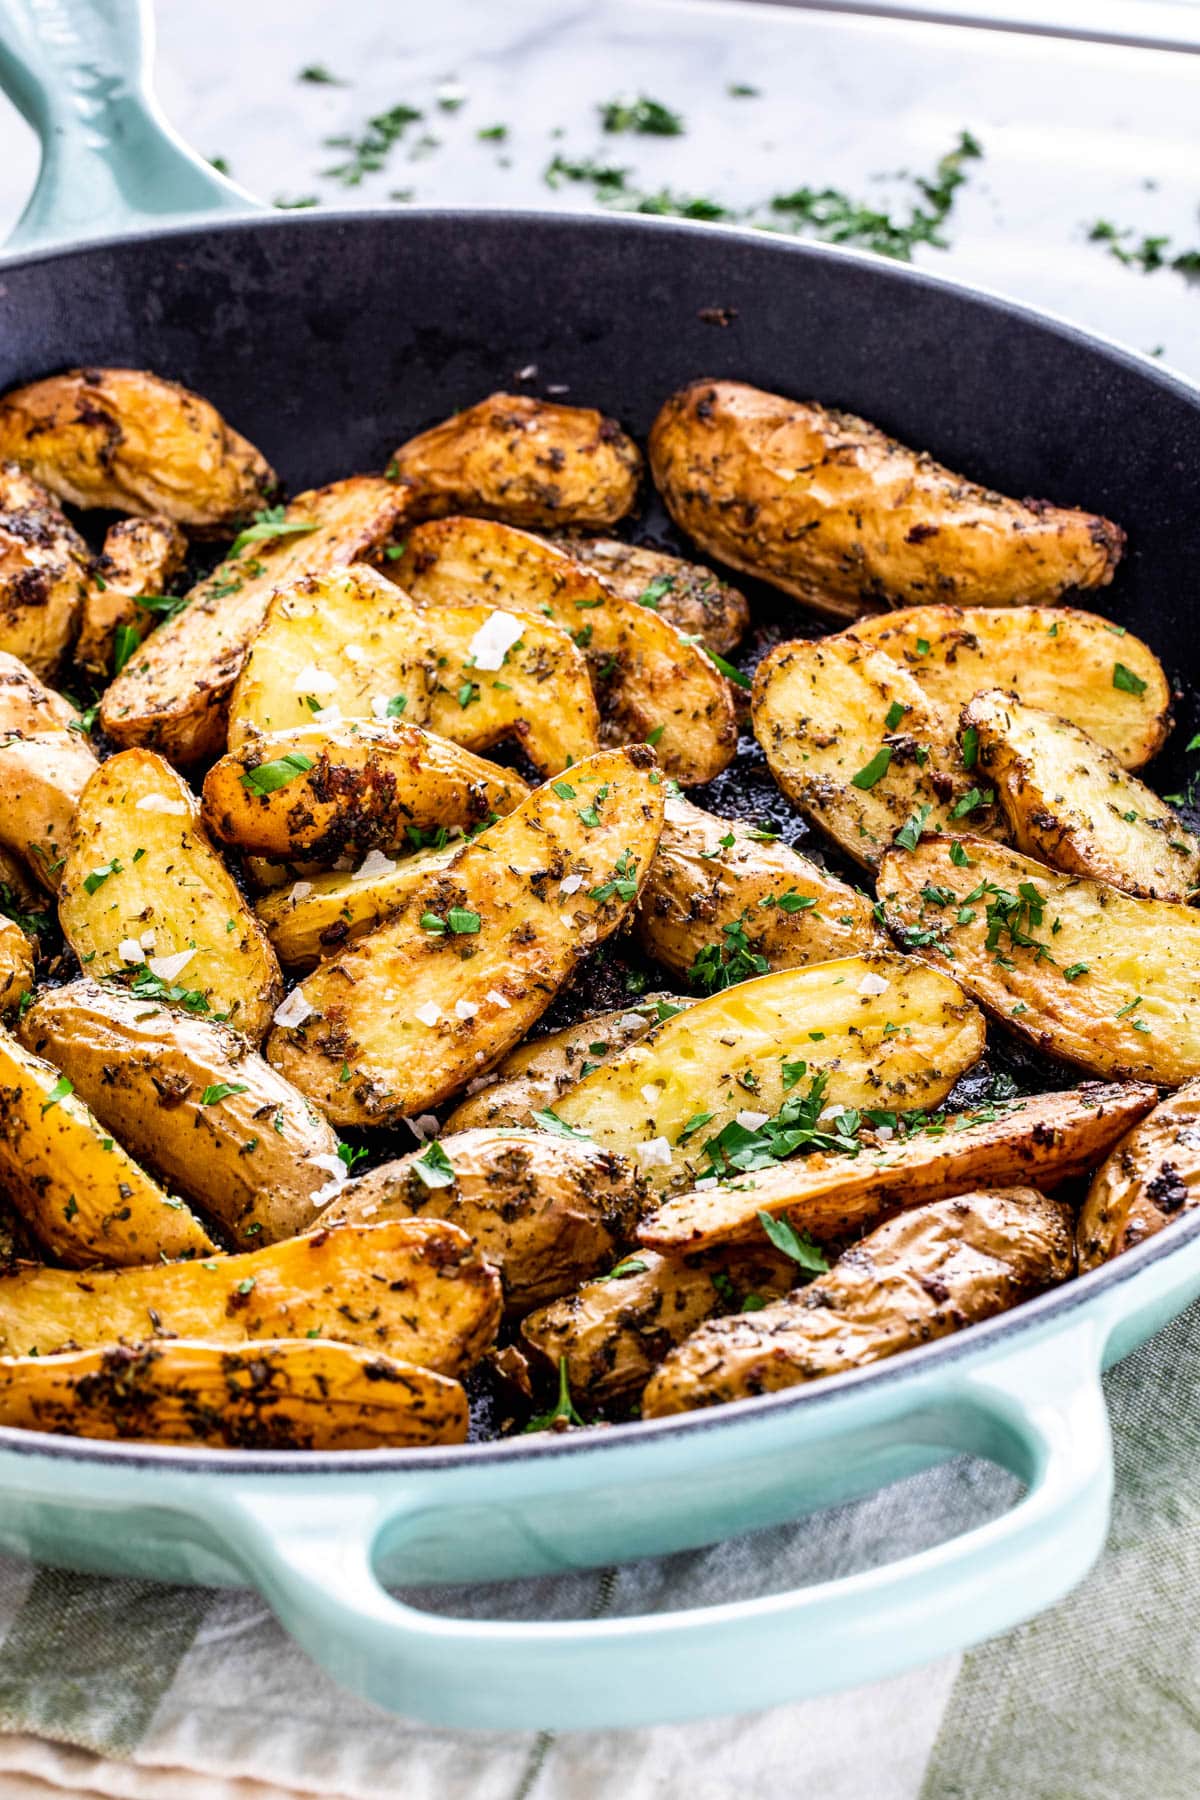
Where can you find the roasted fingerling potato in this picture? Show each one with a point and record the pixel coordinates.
(688, 595)
(826, 507)
(17, 960)
(44, 566)
(319, 914)
(1149, 1179)
(127, 586)
(44, 767)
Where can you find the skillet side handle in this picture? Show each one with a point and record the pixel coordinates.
(80, 72)
(1039, 1411)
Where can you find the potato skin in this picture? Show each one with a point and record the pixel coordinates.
(826, 507)
(546, 1212)
(247, 1160)
(321, 913)
(413, 1288)
(367, 785)
(923, 1275)
(1055, 657)
(526, 460)
(44, 567)
(692, 597)
(1043, 1139)
(16, 964)
(42, 776)
(133, 442)
(141, 558)
(1150, 1178)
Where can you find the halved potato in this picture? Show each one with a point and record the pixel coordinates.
(854, 743)
(546, 1212)
(325, 793)
(414, 1288)
(825, 506)
(613, 1332)
(718, 890)
(1055, 657)
(1068, 801)
(140, 866)
(402, 1019)
(352, 645)
(42, 776)
(512, 456)
(81, 1194)
(1045, 1139)
(1085, 972)
(194, 1103)
(173, 693)
(689, 595)
(43, 572)
(16, 964)
(651, 681)
(140, 558)
(27, 705)
(870, 1026)
(321, 913)
(133, 442)
(270, 1395)
(1150, 1178)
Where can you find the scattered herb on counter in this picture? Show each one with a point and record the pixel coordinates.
(282, 203)
(650, 117)
(319, 76)
(1147, 253)
(220, 164)
(369, 152)
(492, 134)
(607, 180)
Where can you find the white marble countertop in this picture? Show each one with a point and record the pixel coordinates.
(1071, 132)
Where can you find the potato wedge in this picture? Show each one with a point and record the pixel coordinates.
(139, 863)
(403, 1018)
(130, 441)
(141, 558)
(532, 1076)
(173, 693)
(867, 1026)
(1085, 972)
(688, 595)
(514, 457)
(326, 793)
(194, 1104)
(651, 683)
(373, 655)
(718, 894)
(321, 913)
(81, 1194)
(413, 1288)
(546, 1212)
(1055, 657)
(614, 1331)
(1150, 1178)
(42, 776)
(854, 743)
(1069, 802)
(826, 507)
(43, 573)
(16, 964)
(1045, 1139)
(272, 1395)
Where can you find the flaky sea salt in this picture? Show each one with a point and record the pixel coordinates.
(429, 1014)
(375, 863)
(294, 1010)
(873, 984)
(494, 639)
(655, 1154)
(170, 968)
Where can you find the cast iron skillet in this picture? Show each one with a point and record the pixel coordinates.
(328, 339)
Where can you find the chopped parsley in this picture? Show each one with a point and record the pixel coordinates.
(433, 1166)
(722, 965)
(563, 1415)
(221, 1090)
(270, 776)
(62, 1087)
(271, 522)
(799, 1246)
(873, 771)
(649, 117)
(99, 876)
(1126, 680)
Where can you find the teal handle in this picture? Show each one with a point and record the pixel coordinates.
(314, 1562)
(80, 72)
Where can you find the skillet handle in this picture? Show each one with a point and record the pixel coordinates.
(80, 72)
(1039, 1411)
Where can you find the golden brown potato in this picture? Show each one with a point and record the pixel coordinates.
(271, 1395)
(132, 442)
(321, 913)
(43, 572)
(721, 898)
(78, 1191)
(547, 1212)
(405, 1017)
(16, 964)
(689, 596)
(325, 793)
(1150, 1178)
(824, 506)
(919, 1277)
(1085, 972)
(142, 884)
(1056, 657)
(1043, 1139)
(1069, 802)
(531, 1077)
(42, 775)
(172, 695)
(141, 557)
(526, 460)
(614, 1331)
(864, 1031)
(27, 706)
(353, 646)
(651, 682)
(194, 1103)
(413, 1288)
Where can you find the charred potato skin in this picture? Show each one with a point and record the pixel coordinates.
(247, 1160)
(44, 566)
(691, 597)
(141, 557)
(826, 507)
(16, 964)
(1151, 1178)
(130, 441)
(923, 1275)
(526, 460)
